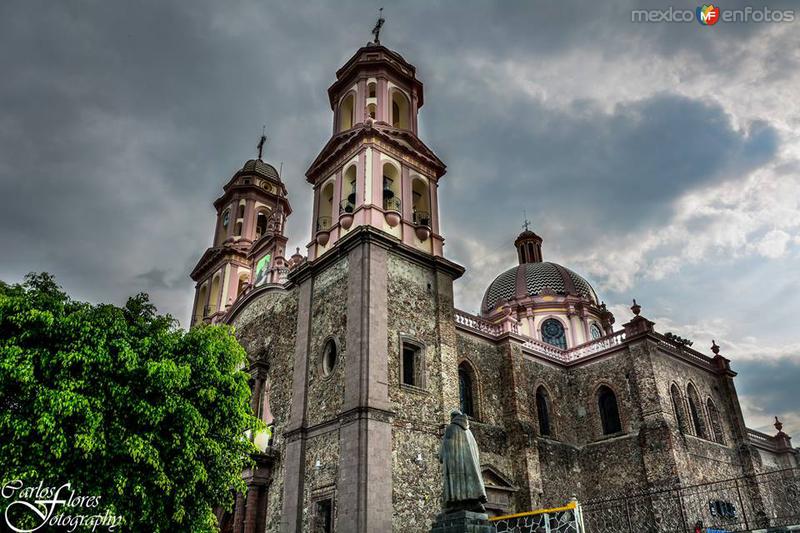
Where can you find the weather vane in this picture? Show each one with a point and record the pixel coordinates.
(262, 141)
(376, 31)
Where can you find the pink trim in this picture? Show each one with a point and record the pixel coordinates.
(381, 113)
(434, 188)
(360, 101)
(249, 220)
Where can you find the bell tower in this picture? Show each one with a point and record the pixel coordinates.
(375, 359)
(248, 248)
(374, 170)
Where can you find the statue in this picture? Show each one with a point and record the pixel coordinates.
(463, 482)
(463, 492)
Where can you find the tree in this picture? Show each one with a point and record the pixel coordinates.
(122, 404)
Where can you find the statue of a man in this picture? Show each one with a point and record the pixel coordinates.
(463, 482)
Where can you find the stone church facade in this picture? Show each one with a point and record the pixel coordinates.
(357, 354)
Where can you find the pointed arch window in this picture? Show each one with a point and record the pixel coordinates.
(553, 333)
(466, 389)
(609, 411)
(678, 407)
(695, 410)
(715, 421)
(543, 412)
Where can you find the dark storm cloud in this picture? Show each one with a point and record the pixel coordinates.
(120, 122)
(610, 172)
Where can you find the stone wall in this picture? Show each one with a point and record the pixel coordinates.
(321, 473)
(413, 299)
(328, 321)
(269, 322)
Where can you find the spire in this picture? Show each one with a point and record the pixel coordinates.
(376, 31)
(261, 142)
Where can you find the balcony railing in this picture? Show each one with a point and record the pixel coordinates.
(477, 323)
(391, 204)
(485, 327)
(323, 223)
(346, 207)
(421, 218)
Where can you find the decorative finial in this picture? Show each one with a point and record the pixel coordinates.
(525, 222)
(262, 141)
(714, 347)
(376, 31)
(778, 425)
(636, 308)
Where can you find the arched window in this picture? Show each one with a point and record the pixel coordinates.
(391, 188)
(347, 112)
(325, 207)
(594, 331)
(225, 220)
(543, 412)
(202, 303)
(400, 110)
(243, 280)
(371, 89)
(466, 389)
(237, 231)
(695, 410)
(716, 422)
(349, 185)
(553, 333)
(371, 110)
(678, 407)
(240, 212)
(213, 304)
(609, 412)
(421, 211)
(261, 224)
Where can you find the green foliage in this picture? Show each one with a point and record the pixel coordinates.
(122, 404)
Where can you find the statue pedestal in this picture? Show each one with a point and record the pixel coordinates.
(462, 522)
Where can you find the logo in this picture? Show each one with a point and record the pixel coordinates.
(707, 14)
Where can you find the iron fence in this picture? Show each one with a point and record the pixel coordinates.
(762, 501)
(561, 520)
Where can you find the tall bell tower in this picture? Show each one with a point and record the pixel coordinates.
(375, 362)
(374, 170)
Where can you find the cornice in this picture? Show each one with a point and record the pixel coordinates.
(371, 235)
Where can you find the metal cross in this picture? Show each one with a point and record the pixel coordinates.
(376, 31)
(262, 141)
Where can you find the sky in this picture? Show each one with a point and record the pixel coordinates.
(659, 160)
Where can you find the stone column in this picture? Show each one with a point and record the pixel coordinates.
(294, 463)
(238, 515)
(364, 486)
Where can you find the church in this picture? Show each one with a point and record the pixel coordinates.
(357, 354)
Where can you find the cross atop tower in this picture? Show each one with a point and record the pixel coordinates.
(376, 31)
(262, 142)
(525, 222)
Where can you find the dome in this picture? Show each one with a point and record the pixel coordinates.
(534, 279)
(257, 166)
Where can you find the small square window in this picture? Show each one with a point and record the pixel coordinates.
(323, 516)
(412, 365)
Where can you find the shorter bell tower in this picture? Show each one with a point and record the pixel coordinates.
(249, 246)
